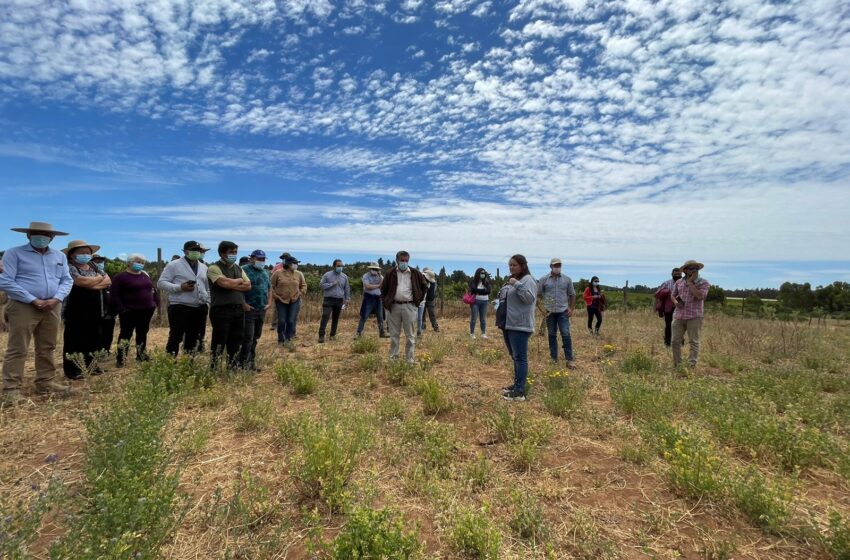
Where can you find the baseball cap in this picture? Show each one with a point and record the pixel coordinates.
(192, 246)
(555, 261)
(258, 254)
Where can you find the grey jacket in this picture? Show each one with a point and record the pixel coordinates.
(521, 298)
(178, 271)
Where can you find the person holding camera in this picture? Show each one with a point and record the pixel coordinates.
(185, 282)
(689, 293)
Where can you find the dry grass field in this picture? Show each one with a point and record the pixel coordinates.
(333, 452)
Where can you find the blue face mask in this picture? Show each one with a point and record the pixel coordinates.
(82, 259)
(137, 267)
(232, 258)
(338, 270)
(402, 266)
(40, 241)
(100, 266)
(259, 265)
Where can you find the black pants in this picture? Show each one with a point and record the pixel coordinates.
(107, 332)
(139, 322)
(331, 308)
(82, 336)
(185, 326)
(228, 325)
(591, 313)
(668, 330)
(250, 335)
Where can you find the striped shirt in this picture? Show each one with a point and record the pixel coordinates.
(693, 307)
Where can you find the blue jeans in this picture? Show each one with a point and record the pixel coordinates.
(563, 324)
(517, 343)
(372, 303)
(287, 319)
(479, 310)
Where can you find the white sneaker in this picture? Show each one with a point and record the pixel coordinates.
(484, 336)
(472, 336)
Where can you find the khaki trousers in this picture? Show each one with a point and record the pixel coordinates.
(25, 323)
(693, 327)
(402, 316)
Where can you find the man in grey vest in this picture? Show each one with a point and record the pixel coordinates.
(228, 284)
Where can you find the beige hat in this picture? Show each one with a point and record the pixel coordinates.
(556, 260)
(374, 265)
(699, 265)
(429, 274)
(77, 243)
(39, 227)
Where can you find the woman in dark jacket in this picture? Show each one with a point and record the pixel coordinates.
(134, 299)
(83, 311)
(480, 287)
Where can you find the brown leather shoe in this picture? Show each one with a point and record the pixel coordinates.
(52, 388)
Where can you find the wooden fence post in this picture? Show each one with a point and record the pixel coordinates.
(626, 296)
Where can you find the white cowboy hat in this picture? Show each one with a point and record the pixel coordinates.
(39, 227)
(699, 265)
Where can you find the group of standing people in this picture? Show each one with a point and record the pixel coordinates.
(46, 287)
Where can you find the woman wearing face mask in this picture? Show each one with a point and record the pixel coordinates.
(107, 324)
(595, 300)
(480, 287)
(515, 316)
(83, 310)
(288, 286)
(134, 299)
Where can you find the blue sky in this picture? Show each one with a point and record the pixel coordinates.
(623, 136)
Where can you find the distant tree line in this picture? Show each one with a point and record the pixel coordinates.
(832, 298)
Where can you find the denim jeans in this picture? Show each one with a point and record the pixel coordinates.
(287, 319)
(517, 343)
(478, 310)
(563, 323)
(372, 303)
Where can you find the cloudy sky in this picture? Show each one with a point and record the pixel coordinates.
(621, 135)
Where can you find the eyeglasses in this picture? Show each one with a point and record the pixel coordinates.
(555, 266)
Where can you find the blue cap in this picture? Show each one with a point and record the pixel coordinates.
(258, 254)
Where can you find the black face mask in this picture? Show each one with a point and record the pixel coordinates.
(677, 277)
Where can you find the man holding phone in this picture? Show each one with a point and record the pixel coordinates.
(185, 282)
(689, 293)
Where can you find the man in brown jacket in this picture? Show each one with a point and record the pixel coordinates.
(402, 290)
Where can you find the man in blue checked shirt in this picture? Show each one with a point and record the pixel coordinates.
(36, 280)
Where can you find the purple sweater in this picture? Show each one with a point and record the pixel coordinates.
(132, 292)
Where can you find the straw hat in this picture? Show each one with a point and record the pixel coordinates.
(77, 243)
(39, 227)
(699, 265)
(373, 265)
(429, 274)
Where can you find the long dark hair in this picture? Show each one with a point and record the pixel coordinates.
(480, 275)
(523, 263)
(594, 289)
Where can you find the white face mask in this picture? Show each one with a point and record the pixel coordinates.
(294, 266)
(596, 283)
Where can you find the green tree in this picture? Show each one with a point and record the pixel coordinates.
(716, 294)
(796, 297)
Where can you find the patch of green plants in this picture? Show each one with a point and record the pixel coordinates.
(473, 534)
(565, 394)
(174, 375)
(330, 448)
(370, 363)
(589, 542)
(300, 377)
(837, 538)
(364, 345)
(766, 504)
(390, 407)
(248, 506)
(512, 425)
(21, 519)
(129, 503)
(478, 473)
(527, 519)
(378, 534)
(255, 414)
(696, 467)
(399, 372)
(435, 397)
(638, 363)
(435, 442)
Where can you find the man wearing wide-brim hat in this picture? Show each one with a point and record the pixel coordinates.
(689, 293)
(36, 279)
